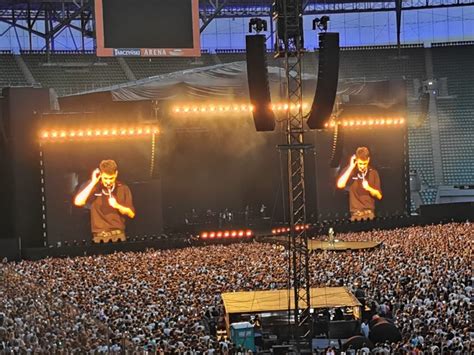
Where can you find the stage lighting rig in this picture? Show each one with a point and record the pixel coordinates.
(321, 23)
(257, 24)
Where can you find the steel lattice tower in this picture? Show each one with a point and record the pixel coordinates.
(288, 14)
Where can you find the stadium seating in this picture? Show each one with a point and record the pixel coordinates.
(71, 73)
(10, 73)
(455, 112)
(147, 67)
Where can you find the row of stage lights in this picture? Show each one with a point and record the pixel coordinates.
(235, 108)
(69, 134)
(283, 230)
(367, 122)
(226, 234)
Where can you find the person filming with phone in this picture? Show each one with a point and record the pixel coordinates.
(364, 185)
(110, 202)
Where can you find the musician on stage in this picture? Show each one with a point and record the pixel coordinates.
(110, 202)
(364, 185)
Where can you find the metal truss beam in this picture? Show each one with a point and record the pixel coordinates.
(335, 7)
(56, 16)
(359, 7)
(290, 47)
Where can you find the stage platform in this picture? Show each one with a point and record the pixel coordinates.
(277, 300)
(342, 245)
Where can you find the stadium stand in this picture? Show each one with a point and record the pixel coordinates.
(72, 72)
(10, 73)
(147, 67)
(456, 111)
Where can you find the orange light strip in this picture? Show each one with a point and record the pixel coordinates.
(61, 134)
(226, 234)
(231, 108)
(212, 108)
(282, 230)
(367, 122)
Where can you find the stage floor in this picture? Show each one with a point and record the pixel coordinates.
(325, 245)
(342, 245)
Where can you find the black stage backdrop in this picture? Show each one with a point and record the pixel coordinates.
(69, 164)
(218, 163)
(387, 149)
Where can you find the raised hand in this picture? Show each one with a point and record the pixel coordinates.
(353, 161)
(95, 176)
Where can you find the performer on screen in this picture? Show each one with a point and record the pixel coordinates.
(364, 185)
(109, 200)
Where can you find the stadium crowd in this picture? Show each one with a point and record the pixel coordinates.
(166, 300)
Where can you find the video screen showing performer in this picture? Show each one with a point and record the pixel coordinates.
(364, 185)
(110, 203)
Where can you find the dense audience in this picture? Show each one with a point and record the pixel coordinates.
(166, 300)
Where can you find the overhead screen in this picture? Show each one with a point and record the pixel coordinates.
(148, 28)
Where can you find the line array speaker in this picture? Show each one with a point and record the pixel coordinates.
(328, 75)
(259, 89)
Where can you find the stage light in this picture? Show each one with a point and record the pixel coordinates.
(204, 235)
(72, 134)
(249, 233)
(226, 234)
(219, 234)
(241, 233)
(233, 234)
(234, 107)
(212, 235)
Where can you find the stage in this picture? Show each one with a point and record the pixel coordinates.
(342, 245)
(277, 300)
(337, 245)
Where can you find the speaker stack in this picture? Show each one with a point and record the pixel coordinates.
(259, 89)
(328, 75)
(21, 206)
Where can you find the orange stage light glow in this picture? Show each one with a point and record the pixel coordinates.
(234, 107)
(365, 122)
(52, 135)
(226, 234)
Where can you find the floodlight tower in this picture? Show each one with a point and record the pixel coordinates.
(288, 15)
